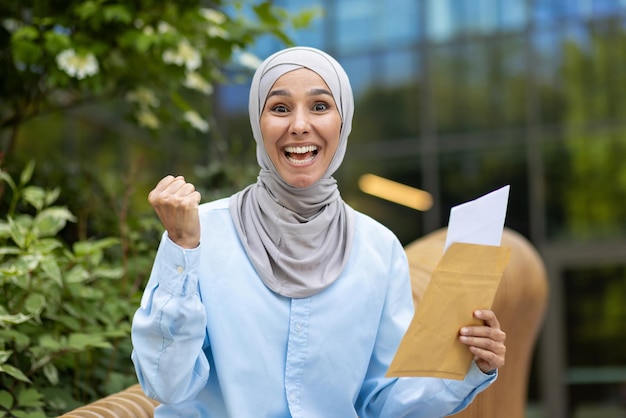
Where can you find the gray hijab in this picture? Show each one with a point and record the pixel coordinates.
(298, 239)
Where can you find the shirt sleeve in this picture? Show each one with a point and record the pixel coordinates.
(421, 397)
(168, 330)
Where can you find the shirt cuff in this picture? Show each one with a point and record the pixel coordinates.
(476, 373)
(475, 381)
(178, 267)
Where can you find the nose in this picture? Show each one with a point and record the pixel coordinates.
(300, 123)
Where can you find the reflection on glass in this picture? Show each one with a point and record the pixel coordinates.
(471, 172)
(449, 18)
(595, 299)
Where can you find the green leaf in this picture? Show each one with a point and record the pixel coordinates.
(19, 231)
(52, 271)
(77, 274)
(306, 17)
(29, 397)
(35, 303)
(21, 340)
(109, 272)
(29, 414)
(52, 196)
(55, 42)
(49, 343)
(27, 173)
(35, 196)
(27, 32)
(4, 176)
(26, 52)
(14, 372)
(83, 248)
(6, 400)
(117, 12)
(5, 229)
(13, 319)
(51, 220)
(42, 362)
(4, 356)
(51, 373)
(46, 245)
(80, 341)
(264, 11)
(88, 9)
(8, 250)
(27, 263)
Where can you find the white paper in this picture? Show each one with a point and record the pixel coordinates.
(479, 221)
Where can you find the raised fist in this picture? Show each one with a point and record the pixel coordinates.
(176, 203)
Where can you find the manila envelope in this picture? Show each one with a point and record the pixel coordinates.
(465, 279)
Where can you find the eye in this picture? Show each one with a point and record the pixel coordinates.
(279, 108)
(320, 107)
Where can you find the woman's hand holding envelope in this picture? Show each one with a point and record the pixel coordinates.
(486, 342)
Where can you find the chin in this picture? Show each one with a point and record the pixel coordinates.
(300, 182)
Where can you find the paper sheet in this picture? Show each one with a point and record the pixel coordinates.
(479, 221)
(465, 279)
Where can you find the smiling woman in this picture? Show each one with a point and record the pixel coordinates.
(300, 126)
(279, 260)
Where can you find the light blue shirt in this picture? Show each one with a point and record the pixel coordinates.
(211, 340)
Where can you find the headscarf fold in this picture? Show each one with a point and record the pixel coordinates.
(298, 239)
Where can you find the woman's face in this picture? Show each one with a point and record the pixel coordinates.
(300, 124)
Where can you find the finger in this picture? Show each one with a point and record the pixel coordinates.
(196, 197)
(487, 360)
(165, 182)
(161, 186)
(486, 343)
(483, 332)
(488, 316)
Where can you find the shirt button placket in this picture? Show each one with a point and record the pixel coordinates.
(296, 353)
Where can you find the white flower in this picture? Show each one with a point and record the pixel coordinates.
(79, 66)
(217, 32)
(213, 16)
(195, 81)
(249, 60)
(148, 30)
(148, 119)
(185, 55)
(196, 121)
(10, 25)
(164, 27)
(143, 96)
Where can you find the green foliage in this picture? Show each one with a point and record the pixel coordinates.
(64, 311)
(163, 57)
(73, 260)
(594, 186)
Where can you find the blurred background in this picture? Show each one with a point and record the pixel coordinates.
(454, 97)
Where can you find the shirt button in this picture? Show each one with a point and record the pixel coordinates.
(180, 269)
(298, 327)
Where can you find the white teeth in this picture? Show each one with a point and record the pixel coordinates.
(300, 162)
(301, 150)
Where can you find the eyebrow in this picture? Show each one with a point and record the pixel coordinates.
(312, 92)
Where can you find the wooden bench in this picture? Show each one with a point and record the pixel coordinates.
(520, 304)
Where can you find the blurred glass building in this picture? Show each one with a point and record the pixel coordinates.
(459, 97)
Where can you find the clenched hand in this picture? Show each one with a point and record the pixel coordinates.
(176, 203)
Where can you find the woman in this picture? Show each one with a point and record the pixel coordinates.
(282, 300)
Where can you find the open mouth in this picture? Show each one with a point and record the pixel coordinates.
(301, 155)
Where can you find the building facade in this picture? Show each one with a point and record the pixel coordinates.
(459, 97)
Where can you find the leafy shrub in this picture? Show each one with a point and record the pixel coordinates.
(65, 310)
